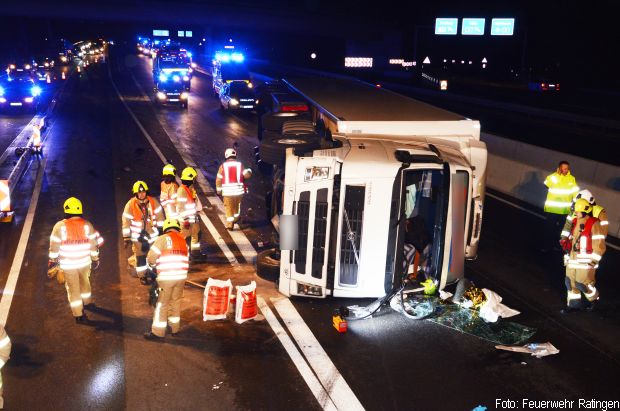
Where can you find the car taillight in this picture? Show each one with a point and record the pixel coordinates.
(557, 86)
(300, 107)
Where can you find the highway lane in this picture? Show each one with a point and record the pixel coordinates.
(390, 362)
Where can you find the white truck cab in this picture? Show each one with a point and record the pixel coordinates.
(396, 166)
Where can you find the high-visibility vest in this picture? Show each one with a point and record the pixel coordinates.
(137, 218)
(186, 204)
(562, 189)
(75, 244)
(232, 178)
(173, 261)
(168, 196)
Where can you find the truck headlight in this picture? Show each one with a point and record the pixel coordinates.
(161, 96)
(234, 102)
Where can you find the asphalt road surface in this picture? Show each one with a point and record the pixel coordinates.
(106, 134)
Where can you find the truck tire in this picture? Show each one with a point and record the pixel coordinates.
(267, 266)
(272, 122)
(272, 148)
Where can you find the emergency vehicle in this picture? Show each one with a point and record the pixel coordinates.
(171, 77)
(352, 172)
(229, 67)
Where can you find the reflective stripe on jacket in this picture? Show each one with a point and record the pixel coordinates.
(562, 189)
(75, 243)
(168, 197)
(186, 204)
(597, 212)
(169, 254)
(134, 220)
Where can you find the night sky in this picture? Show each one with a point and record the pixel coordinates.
(577, 39)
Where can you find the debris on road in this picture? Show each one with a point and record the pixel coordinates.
(537, 350)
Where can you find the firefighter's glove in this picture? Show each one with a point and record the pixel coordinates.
(94, 265)
(186, 224)
(565, 243)
(52, 268)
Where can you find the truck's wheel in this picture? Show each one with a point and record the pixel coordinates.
(267, 265)
(272, 122)
(272, 148)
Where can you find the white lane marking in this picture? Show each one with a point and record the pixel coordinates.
(338, 389)
(245, 246)
(302, 366)
(615, 247)
(11, 282)
(214, 233)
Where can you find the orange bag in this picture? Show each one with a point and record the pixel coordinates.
(247, 308)
(216, 299)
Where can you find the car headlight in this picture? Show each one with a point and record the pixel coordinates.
(194, 65)
(250, 85)
(2, 100)
(185, 78)
(162, 77)
(29, 99)
(35, 91)
(161, 95)
(184, 95)
(63, 59)
(234, 102)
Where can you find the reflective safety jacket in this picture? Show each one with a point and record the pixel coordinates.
(138, 216)
(187, 203)
(5, 349)
(230, 180)
(562, 189)
(168, 197)
(170, 256)
(74, 243)
(597, 212)
(587, 243)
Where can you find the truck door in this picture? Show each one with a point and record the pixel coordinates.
(312, 205)
(458, 214)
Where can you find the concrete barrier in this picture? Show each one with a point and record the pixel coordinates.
(519, 169)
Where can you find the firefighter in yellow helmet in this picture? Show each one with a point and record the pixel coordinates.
(168, 191)
(187, 208)
(230, 184)
(142, 217)
(597, 212)
(170, 259)
(74, 248)
(587, 246)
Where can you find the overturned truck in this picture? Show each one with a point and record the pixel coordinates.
(359, 175)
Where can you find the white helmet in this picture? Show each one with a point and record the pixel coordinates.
(586, 195)
(230, 152)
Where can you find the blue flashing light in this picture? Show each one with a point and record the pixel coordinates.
(176, 78)
(238, 57)
(1, 91)
(189, 54)
(36, 91)
(163, 78)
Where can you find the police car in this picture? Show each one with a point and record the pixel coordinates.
(237, 95)
(19, 90)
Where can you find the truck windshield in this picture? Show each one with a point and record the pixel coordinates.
(424, 196)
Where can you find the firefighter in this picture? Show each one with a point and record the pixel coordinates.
(597, 212)
(187, 209)
(587, 248)
(5, 352)
(230, 184)
(170, 258)
(74, 248)
(168, 192)
(562, 187)
(142, 217)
